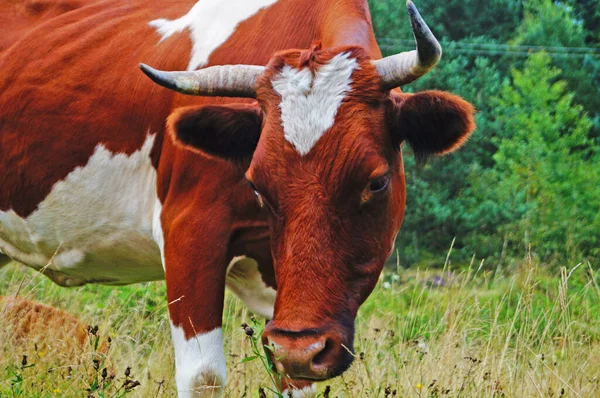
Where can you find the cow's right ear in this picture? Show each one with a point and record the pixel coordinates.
(226, 131)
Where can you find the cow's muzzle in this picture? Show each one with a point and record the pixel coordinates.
(313, 354)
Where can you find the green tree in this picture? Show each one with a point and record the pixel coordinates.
(473, 195)
(589, 12)
(436, 212)
(452, 19)
(546, 171)
(555, 24)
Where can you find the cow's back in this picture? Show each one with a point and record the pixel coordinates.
(17, 17)
(74, 82)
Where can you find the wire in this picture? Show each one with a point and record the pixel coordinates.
(449, 49)
(524, 47)
(496, 49)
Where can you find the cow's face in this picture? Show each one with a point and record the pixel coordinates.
(324, 144)
(331, 181)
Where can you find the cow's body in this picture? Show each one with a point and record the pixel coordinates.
(70, 100)
(92, 188)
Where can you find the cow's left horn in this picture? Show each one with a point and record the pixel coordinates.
(397, 70)
(214, 81)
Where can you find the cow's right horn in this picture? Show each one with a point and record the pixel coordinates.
(397, 70)
(214, 81)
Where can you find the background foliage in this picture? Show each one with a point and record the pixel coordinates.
(529, 179)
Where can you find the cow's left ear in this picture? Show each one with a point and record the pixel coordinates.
(432, 122)
(226, 131)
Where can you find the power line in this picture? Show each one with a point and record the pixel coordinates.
(448, 49)
(509, 47)
(495, 49)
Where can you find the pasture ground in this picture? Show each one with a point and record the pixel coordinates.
(422, 333)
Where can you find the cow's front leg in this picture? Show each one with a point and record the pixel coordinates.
(195, 257)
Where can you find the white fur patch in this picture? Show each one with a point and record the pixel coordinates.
(211, 23)
(200, 363)
(244, 279)
(95, 225)
(310, 103)
(306, 392)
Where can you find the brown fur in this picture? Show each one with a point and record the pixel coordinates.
(41, 324)
(18, 17)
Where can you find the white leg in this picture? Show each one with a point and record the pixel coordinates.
(200, 369)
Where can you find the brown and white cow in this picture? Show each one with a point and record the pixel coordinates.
(290, 193)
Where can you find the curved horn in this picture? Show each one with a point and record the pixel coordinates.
(218, 81)
(397, 70)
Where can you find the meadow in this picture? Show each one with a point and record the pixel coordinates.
(477, 332)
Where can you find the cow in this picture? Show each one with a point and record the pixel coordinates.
(280, 176)
(46, 327)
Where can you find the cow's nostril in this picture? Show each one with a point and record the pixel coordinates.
(323, 357)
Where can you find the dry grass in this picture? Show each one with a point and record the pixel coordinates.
(526, 334)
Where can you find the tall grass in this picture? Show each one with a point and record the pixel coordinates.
(422, 333)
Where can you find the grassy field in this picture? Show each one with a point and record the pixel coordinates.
(422, 333)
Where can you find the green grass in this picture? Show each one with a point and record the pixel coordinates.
(520, 334)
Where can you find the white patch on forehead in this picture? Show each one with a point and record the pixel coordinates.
(200, 369)
(310, 103)
(95, 225)
(211, 23)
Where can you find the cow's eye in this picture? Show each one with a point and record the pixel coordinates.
(379, 184)
(255, 190)
(258, 197)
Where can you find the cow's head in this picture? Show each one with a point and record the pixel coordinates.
(324, 141)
